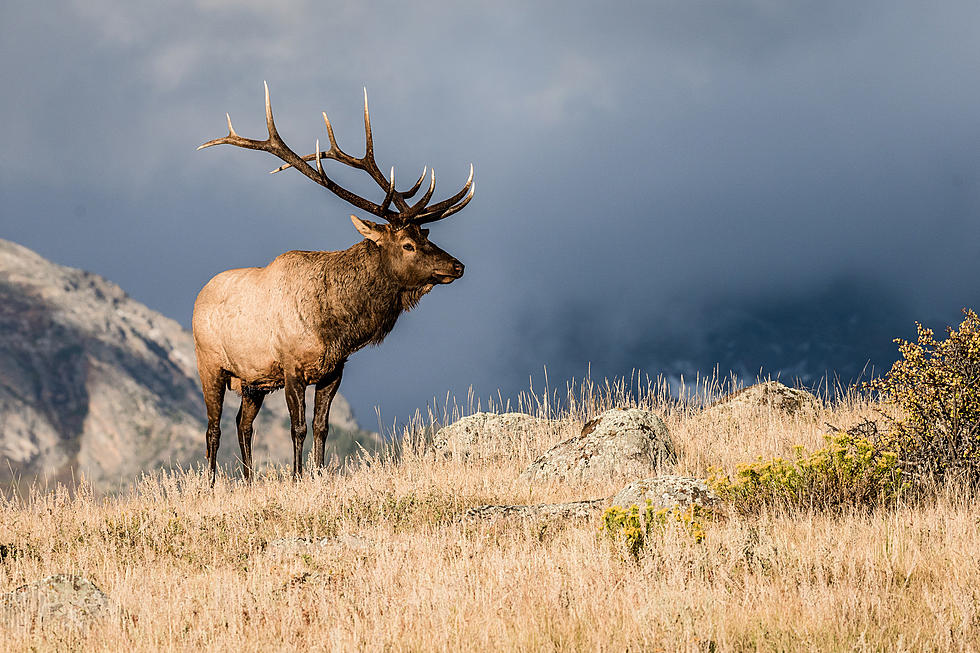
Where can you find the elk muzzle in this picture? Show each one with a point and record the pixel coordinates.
(454, 271)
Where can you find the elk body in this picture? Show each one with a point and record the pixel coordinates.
(294, 322)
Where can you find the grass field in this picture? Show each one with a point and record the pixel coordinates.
(390, 565)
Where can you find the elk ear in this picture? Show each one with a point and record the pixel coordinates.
(368, 229)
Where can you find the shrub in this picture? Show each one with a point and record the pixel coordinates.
(936, 384)
(851, 470)
(636, 531)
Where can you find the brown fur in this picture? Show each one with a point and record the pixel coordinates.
(295, 322)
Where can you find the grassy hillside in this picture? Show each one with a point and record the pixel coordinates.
(398, 569)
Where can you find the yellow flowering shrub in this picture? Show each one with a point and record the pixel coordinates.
(936, 384)
(850, 470)
(636, 530)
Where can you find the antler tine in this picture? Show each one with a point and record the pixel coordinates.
(319, 166)
(426, 218)
(221, 141)
(333, 141)
(391, 191)
(270, 123)
(459, 206)
(439, 211)
(335, 152)
(418, 184)
(270, 143)
(419, 206)
(368, 139)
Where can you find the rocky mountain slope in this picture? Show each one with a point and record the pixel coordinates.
(93, 382)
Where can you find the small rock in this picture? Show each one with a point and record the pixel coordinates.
(298, 545)
(487, 435)
(666, 491)
(353, 542)
(574, 509)
(286, 545)
(618, 442)
(69, 600)
(768, 395)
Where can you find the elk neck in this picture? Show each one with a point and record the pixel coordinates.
(361, 298)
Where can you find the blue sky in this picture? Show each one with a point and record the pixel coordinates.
(644, 171)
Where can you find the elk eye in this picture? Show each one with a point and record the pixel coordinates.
(408, 247)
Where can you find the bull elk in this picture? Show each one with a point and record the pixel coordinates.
(294, 322)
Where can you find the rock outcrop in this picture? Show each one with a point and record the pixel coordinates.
(630, 442)
(65, 600)
(94, 383)
(666, 491)
(568, 510)
(769, 395)
(488, 435)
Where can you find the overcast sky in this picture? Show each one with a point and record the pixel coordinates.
(643, 169)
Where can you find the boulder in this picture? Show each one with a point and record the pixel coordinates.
(769, 395)
(618, 442)
(489, 435)
(572, 509)
(61, 599)
(666, 491)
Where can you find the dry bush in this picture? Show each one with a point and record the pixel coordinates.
(386, 563)
(936, 386)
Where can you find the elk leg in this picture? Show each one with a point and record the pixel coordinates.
(213, 387)
(251, 403)
(326, 388)
(296, 403)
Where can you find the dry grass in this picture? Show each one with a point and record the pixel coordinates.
(192, 568)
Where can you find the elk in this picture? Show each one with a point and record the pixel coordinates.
(295, 322)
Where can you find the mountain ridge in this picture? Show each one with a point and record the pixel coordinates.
(93, 383)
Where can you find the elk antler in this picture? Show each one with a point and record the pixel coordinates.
(417, 213)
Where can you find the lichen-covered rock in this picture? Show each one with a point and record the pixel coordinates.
(292, 545)
(489, 435)
(61, 599)
(618, 442)
(666, 491)
(572, 509)
(770, 395)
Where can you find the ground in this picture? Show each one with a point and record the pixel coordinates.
(379, 558)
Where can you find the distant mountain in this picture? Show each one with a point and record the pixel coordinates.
(93, 382)
(841, 331)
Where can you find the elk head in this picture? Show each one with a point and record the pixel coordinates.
(412, 257)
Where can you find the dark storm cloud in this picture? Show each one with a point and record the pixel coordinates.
(842, 329)
(657, 183)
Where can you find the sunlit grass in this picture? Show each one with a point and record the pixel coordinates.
(198, 568)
